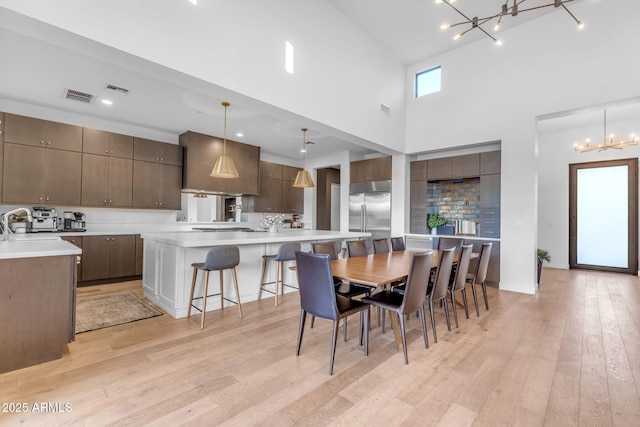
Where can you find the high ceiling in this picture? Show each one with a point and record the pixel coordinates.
(36, 72)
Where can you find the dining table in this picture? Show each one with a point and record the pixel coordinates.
(381, 270)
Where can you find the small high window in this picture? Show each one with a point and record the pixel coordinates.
(428, 81)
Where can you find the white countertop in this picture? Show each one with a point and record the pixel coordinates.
(35, 245)
(430, 236)
(193, 239)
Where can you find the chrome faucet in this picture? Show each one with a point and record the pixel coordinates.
(5, 221)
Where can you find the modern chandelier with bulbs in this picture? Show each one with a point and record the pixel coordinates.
(507, 8)
(586, 146)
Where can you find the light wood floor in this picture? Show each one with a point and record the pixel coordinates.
(567, 356)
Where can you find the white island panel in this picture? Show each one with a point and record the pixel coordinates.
(167, 271)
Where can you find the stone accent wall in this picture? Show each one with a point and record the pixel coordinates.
(455, 199)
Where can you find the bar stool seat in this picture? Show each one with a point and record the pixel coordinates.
(219, 259)
(286, 252)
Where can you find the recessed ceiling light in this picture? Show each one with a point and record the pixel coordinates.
(240, 134)
(194, 2)
(107, 102)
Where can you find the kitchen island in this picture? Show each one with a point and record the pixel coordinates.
(37, 299)
(167, 271)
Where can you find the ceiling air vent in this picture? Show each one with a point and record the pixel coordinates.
(76, 95)
(385, 109)
(117, 89)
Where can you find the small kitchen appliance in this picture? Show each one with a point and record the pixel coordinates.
(73, 221)
(44, 219)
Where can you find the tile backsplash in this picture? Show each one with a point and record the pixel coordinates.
(455, 199)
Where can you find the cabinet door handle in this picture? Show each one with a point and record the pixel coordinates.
(108, 238)
(106, 151)
(160, 203)
(48, 142)
(111, 151)
(48, 199)
(110, 202)
(42, 142)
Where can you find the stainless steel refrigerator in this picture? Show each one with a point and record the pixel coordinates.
(370, 208)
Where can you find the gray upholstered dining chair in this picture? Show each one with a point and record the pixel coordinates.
(357, 248)
(381, 246)
(397, 244)
(343, 288)
(286, 252)
(479, 277)
(318, 298)
(450, 242)
(460, 280)
(438, 289)
(218, 258)
(413, 298)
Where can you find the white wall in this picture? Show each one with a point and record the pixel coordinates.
(555, 154)
(495, 93)
(341, 75)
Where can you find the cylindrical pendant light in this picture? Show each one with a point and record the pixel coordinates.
(224, 166)
(303, 179)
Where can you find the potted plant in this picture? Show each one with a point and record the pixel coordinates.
(287, 222)
(435, 220)
(543, 255)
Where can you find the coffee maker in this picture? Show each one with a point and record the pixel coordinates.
(73, 221)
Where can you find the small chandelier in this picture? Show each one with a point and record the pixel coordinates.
(583, 147)
(303, 179)
(224, 166)
(505, 10)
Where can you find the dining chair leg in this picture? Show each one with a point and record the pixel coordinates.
(484, 292)
(367, 319)
(276, 289)
(313, 320)
(384, 316)
(404, 339)
(193, 287)
(433, 321)
(303, 317)
(464, 299)
(453, 304)
(345, 329)
(221, 290)
(234, 272)
(424, 327)
(333, 346)
(205, 291)
(264, 269)
(475, 298)
(446, 312)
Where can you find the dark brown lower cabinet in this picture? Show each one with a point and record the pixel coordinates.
(76, 240)
(108, 257)
(37, 309)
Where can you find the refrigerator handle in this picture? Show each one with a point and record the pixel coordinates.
(364, 221)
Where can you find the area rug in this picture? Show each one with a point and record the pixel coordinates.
(109, 310)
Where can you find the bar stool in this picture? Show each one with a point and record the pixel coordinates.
(286, 252)
(218, 259)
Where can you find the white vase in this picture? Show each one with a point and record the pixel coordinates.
(434, 230)
(273, 228)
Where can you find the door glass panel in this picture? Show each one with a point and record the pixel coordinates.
(602, 205)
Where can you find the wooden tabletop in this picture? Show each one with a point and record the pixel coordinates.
(380, 269)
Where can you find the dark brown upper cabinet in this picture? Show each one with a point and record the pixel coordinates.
(201, 152)
(107, 143)
(453, 167)
(376, 169)
(42, 133)
(490, 163)
(158, 152)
